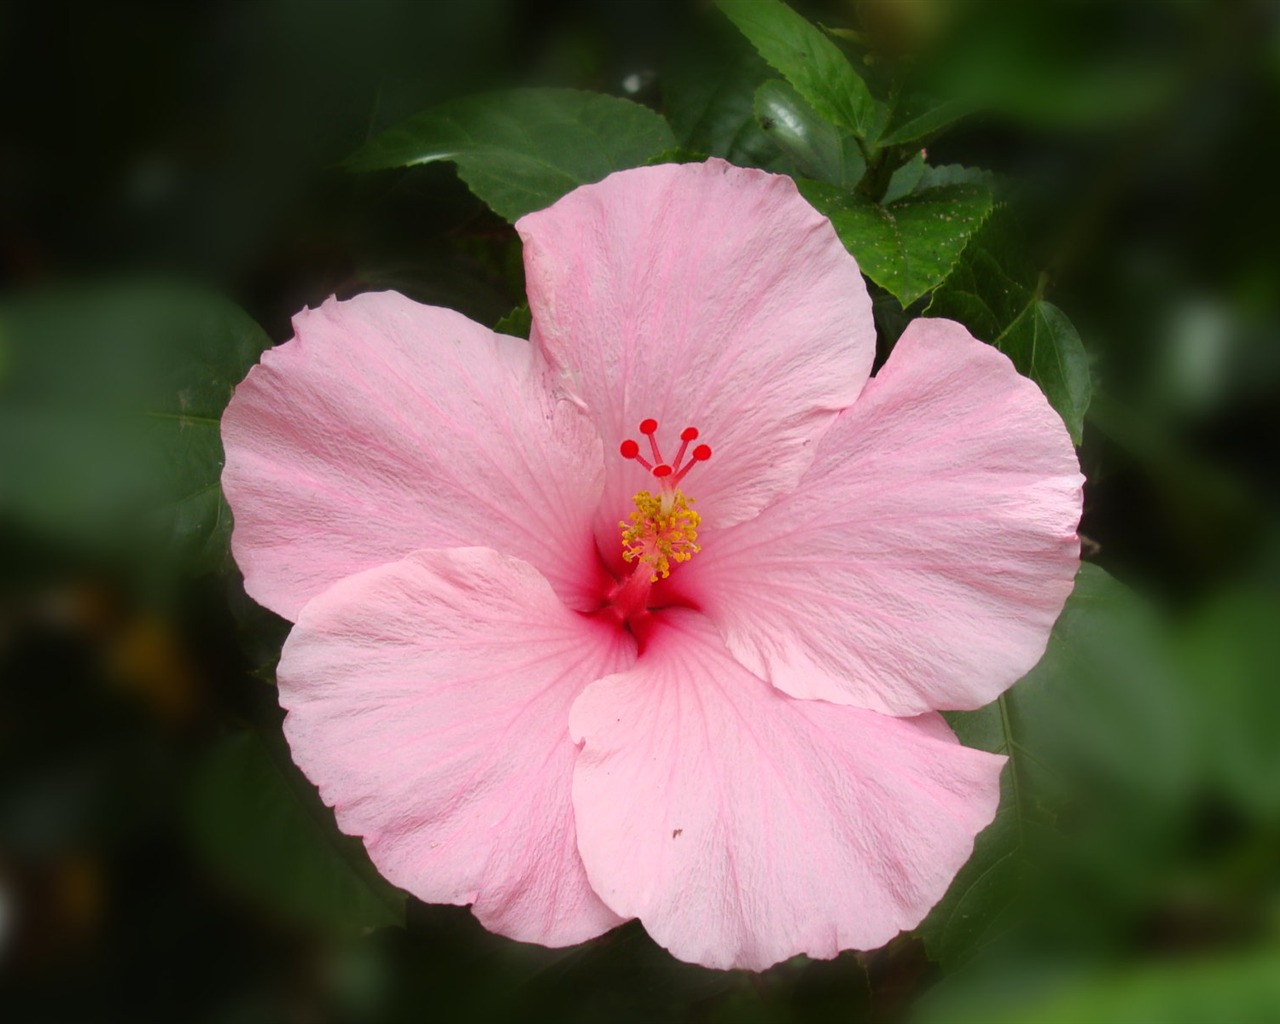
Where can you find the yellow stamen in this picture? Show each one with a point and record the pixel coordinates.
(663, 529)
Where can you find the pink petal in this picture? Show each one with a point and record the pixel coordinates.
(925, 557)
(700, 295)
(429, 700)
(743, 827)
(386, 426)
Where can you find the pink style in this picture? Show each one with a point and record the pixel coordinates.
(544, 671)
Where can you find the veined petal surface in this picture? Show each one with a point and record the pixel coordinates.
(429, 700)
(922, 561)
(386, 426)
(700, 295)
(744, 827)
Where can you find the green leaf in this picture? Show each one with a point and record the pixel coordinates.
(109, 418)
(523, 149)
(816, 148)
(811, 62)
(1099, 726)
(916, 116)
(707, 92)
(258, 821)
(905, 179)
(910, 245)
(1013, 316)
(518, 323)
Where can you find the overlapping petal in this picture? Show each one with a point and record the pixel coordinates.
(743, 827)
(386, 426)
(700, 295)
(922, 561)
(429, 701)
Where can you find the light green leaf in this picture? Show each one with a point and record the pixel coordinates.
(815, 146)
(810, 61)
(523, 149)
(518, 323)
(259, 822)
(1009, 314)
(910, 245)
(109, 418)
(1242, 990)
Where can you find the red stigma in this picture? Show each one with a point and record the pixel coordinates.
(670, 473)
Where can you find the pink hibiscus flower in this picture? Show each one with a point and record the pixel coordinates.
(546, 668)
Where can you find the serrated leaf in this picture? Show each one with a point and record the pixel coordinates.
(814, 145)
(109, 418)
(810, 61)
(259, 822)
(909, 246)
(1035, 334)
(1099, 724)
(518, 323)
(522, 149)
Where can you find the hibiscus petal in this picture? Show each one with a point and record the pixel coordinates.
(923, 560)
(429, 700)
(743, 827)
(387, 426)
(700, 295)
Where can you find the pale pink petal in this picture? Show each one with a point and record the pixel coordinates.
(387, 426)
(743, 827)
(429, 700)
(923, 560)
(700, 295)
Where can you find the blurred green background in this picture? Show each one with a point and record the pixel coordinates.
(171, 192)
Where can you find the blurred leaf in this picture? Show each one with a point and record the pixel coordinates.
(999, 308)
(908, 246)
(816, 148)
(523, 149)
(707, 92)
(1045, 65)
(109, 417)
(518, 323)
(810, 61)
(1245, 990)
(955, 174)
(1098, 727)
(1232, 648)
(261, 823)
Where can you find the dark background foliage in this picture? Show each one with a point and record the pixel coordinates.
(172, 189)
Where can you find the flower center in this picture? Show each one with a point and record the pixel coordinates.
(663, 528)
